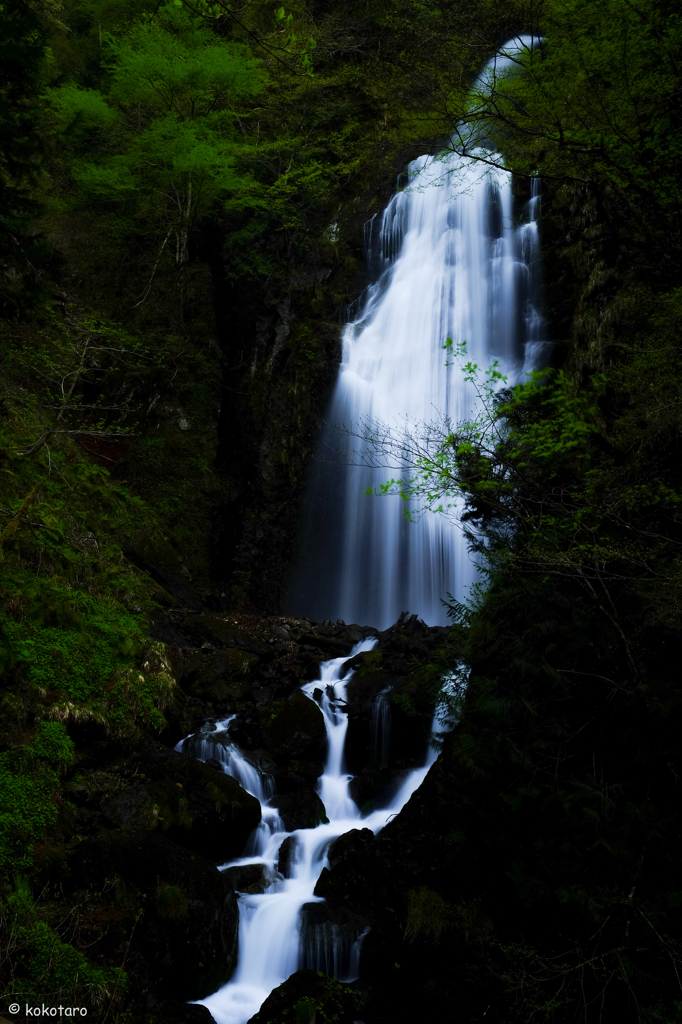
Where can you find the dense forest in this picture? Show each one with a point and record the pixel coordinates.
(183, 188)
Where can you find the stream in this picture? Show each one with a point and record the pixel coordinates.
(271, 943)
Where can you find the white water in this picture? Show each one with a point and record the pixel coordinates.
(380, 728)
(448, 261)
(270, 946)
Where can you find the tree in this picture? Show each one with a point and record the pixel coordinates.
(166, 136)
(22, 48)
(89, 383)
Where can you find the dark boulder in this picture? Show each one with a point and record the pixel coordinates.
(249, 878)
(332, 646)
(354, 870)
(308, 996)
(175, 1012)
(347, 844)
(286, 852)
(193, 804)
(301, 808)
(215, 675)
(293, 729)
(183, 938)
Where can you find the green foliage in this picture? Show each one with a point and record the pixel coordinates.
(22, 49)
(72, 644)
(311, 998)
(29, 790)
(175, 62)
(52, 744)
(405, 703)
(27, 808)
(594, 105)
(42, 967)
(164, 137)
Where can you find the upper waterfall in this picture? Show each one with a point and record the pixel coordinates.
(448, 261)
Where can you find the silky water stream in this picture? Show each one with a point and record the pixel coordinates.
(272, 944)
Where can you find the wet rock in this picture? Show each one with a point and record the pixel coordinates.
(184, 943)
(300, 809)
(172, 1012)
(348, 844)
(354, 874)
(286, 853)
(333, 647)
(245, 730)
(195, 805)
(249, 878)
(293, 728)
(305, 995)
(389, 668)
(214, 676)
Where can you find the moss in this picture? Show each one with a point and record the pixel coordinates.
(171, 901)
(27, 808)
(372, 662)
(29, 791)
(71, 642)
(292, 727)
(310, 997)
(42, 967)
(53, 745)
(405, 703)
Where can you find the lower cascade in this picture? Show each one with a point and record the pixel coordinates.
(285, 928)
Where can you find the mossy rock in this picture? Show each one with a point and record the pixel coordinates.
(310, 997)
(293, 728)
(301, 809)
(221, 675)
(184, 945)
(223, 634)
(159, 559)
(197, 806)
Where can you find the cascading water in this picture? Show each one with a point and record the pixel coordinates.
(214, 745)
(272, 944)
(448, 261)
(380, 728)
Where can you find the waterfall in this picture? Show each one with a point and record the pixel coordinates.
(278, 932)
(447, 260)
